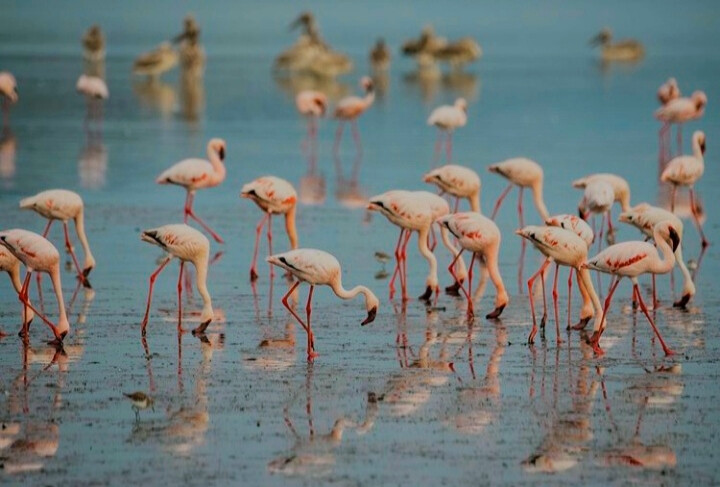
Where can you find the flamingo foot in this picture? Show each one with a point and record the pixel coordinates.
(312, 355)
(669, 352)
(594, 340)
(201, 329)
(682, 302)
(426, 295)
(495, 314)
(58, 340)
(453, 290)
(580, 325)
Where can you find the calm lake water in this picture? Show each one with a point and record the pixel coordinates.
(229, 411)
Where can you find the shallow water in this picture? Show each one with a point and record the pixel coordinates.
(229, 410)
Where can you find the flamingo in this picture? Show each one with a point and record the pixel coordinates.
(620, 186)
(10, 264)
(312, 105)
(413, 212)
(564, 247)
(598, 197)
(188, 245)
(458, 181)
(194, 174)
(8, 93)
(645, 217)
(632, 259)
(94, 89)
(679, 111)
(523, 173)
(37, 255)
(64, 205)
(317, 267)
(350, 108)
(685, 171)
(668, 91)
(447, 118)
(481, 236)
(624, 50)
(272, 195)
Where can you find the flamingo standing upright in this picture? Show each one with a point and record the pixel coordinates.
(564, 247)
(312, 105)
(479, 235)
(64, 205)
(349, 109)
(644, 217)
(685, 171)
(598, 197)
(37, 255)
(632, 259)
(194, 174)
(11, 264)
(447, 118)
(95, 90)
(458, 181)
(188, 245)
(8, 93)
(678, 111)
(523, 173)
(316, 268)
(274, 196)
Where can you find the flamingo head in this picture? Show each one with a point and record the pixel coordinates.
(699, 136)
(366, 83)
(668, 233)
(371, 304)
(321, 103)
(461, 103)
(700, 99)
(217, 146)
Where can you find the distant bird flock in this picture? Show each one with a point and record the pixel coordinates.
(563, 238)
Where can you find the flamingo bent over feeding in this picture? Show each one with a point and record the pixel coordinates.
(316, 268)
(94, 89)
(38, 255)
(645, 217)
(312, 105)
(566, 248)
(64, 205)
(685, 171)
(523, 173)
(8, 93)
(274, 196)
(188, 245)
(10, 264)
(349, 109)
(620, 186)
(447, 118)
(458, 181)
(598, 197)
(193, 174)
(479, 235)
(632, 259)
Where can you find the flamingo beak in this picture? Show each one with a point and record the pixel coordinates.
(221, 153)
(702, 146)
(675, 239)
(370, 316)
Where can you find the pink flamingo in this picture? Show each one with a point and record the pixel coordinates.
(37, 255)
(668, 91)
(644, 217)
(188, 245)
(479, 235)
(94, 89)
(632, 259)
(447, 118)
(9, 94)
(678, 111)
(64, 205)
(10, 264)
(685, 171)
(458, 181)
(523, 173)
(620, 186)
(564, 247)
(194, 174)
(598, 197)
(312, 105)
(318, 268)
(272, 195)
(350, 108)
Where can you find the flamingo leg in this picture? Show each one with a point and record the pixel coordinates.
(397, 263)
(696, 218)
(403, 276)
(338, 137)
(470, 273)
(269, 238)
(68, 245)
(457, 204)
(258, 231)
(520, 207)
(667, 350)
(297, 317)
(311, 337)
(153, 277)
(500, 200)
(179, 293)
(438, 146)
(679, 139)
(533, 332)
(188, 204)
(570, 274)
(448, 147)
(654, 294)
(47, 228)
(661, 143)
(543, 321)
(356, 136)
(432, 239)
(23, 297)
(673, 193)
(23, 293)
(555, 303)
(595, 339)
(207, 228)
(451, 268)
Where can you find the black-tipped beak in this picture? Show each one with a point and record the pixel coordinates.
(370, 317)
(427, 294)
(702, 146)
(675, 239)
(221, 153)
(86, 271)
(682, 302)
(581, 213)
(495, 313)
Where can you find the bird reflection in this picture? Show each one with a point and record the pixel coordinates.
(296, 82)
(192, 95)
(93, 162)
(157, 96)
(8, 149)
(348, 191)
(431, 82)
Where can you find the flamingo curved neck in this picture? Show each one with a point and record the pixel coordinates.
(586, 286)
(537, 191)
(369, 98)
(664, 264)
(460, 269)
(217, 164)
(290, 228)
(475, 202)
(432, 279)
(63, 324)
(201, 268)
(697, 150)
(341, 292)
(80, 230)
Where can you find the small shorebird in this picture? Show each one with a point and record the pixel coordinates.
(479, 235)
(274, 196)
(686, 171)
(632, 259)
(64, 205)
(317, 268)
(193, 174)
(349, 109)
(523, 173)
(10, 264)
(156, 62)
(423, 48)
(380, 56)
(624, 50)
(140, 401)
(598, 197)
(447, 118)
(459, 53)
(38, 255)
(188, 245)
(8, 93)
(458, 181)
(678, 111)
(93, 43)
